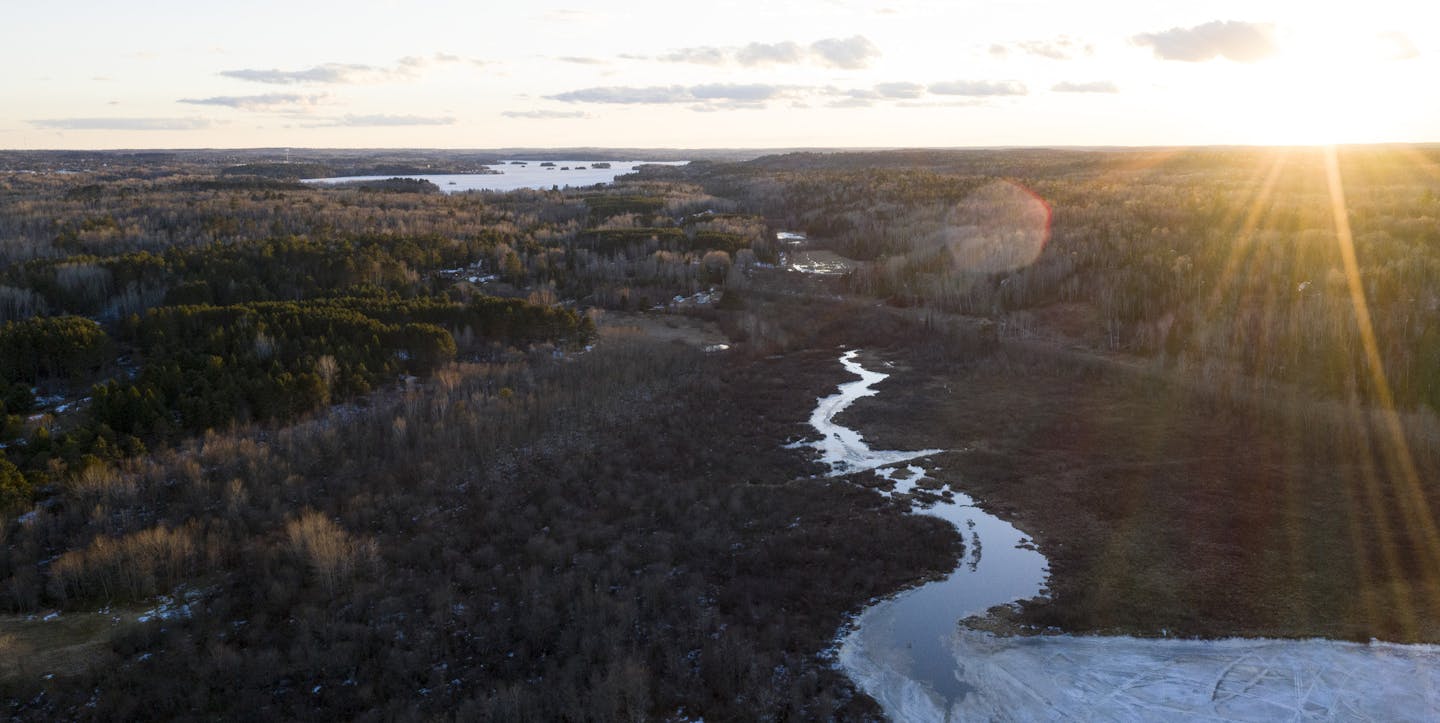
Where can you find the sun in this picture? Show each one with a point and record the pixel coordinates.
(1328, 84)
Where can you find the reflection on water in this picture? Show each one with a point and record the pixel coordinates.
(899, 651)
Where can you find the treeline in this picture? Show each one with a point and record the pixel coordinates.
(49, 216)
(265, 270)
(210, 366)
(393, 185)
(1216, 261)
(64, 347)
(205, 367)
(610, 241)
(112, 249)
(69, 349)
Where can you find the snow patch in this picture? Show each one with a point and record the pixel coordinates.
(1125, 678)
(169, 608)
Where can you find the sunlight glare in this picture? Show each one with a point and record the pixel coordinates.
(1328, 83)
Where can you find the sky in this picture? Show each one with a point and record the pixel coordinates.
(723, 74)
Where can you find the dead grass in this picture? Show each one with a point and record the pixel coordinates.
(32, 647)
(664, 327)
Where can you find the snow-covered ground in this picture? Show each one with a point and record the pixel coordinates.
(910, 653)
(821, 262)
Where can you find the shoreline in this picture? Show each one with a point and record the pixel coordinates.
(1039, 673)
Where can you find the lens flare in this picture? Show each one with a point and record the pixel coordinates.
(1002, 226)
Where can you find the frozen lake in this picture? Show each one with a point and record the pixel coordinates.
(514, 175)
(910, 653)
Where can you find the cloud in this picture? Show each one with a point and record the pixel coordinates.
(345, 73)
(658, 94)
(444, 58)
(720, 95)
(283, 102)
(382, 120)
(1397, 46)
(545, 114)
(327, 73)
(749, 93)
(785, 53)
(1098, 86)
(1063, 47)
(971, 103)
(415, 63)
(979, 87)
(738, 96)
(1235, 40)
(899, 90)
(850, 53)
(565, 15)
(699, 56)
(714, 106)
(124, 124)
(581, 61)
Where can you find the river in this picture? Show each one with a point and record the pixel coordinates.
(911, 654)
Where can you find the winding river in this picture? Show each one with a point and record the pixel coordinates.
(912, 655)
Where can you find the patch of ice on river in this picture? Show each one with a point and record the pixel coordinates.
(1123, 678)
(841, 448)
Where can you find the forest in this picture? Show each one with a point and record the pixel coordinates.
(403, 454)
(1209, 259)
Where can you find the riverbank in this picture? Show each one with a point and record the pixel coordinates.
(1163, 512)
(908, 653)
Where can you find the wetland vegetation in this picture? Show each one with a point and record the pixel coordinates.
(408, 454)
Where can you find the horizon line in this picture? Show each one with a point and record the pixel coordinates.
(714, 149)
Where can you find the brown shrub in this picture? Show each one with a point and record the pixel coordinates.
(137, 565)
(331, 553)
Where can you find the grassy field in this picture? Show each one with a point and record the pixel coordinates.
(31, 646)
